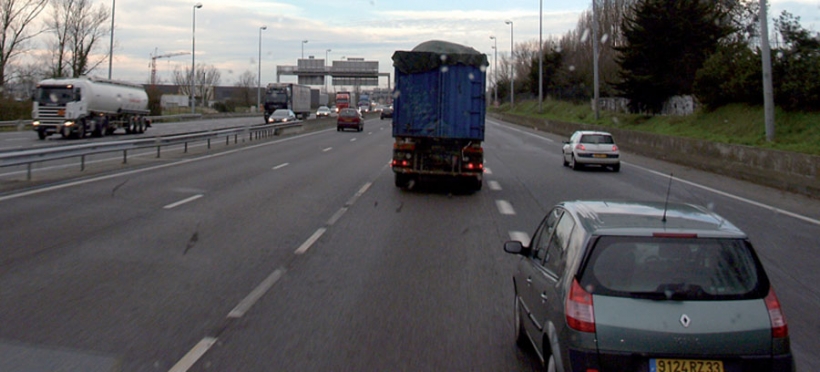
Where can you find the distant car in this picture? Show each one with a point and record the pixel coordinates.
(349, 118)
(334, 109)
(323, 111)
(591, 148)
(622, 286)
(282, 116)
(387, 112)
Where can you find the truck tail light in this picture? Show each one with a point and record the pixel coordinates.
(779, 327)
(579, 309)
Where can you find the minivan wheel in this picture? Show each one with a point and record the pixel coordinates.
(573, 164)
(551, 364)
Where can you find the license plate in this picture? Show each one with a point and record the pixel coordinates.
(685, 365)
(598, 155)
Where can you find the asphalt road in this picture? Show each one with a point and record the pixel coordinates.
(300, 254)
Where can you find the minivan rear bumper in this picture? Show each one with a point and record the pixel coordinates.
(585, 360)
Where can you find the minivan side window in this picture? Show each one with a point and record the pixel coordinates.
(557, 248)
(540, 242)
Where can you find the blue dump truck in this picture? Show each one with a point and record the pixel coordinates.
(438, 117)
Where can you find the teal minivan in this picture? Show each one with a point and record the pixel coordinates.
(655, 287)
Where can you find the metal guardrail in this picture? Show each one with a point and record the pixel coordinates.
(14, 124)
(29, 157)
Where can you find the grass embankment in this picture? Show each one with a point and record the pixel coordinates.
(734, 124)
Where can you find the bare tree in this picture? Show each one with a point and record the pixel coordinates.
(15, 18)
(78, 28)
(247, 95)
(207, 77)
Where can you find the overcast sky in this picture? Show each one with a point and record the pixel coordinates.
(227, 31)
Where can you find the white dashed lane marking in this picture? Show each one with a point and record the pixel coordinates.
(494, 185)
(504, 207)
(327, 149)
(183, 201)
(280, 166)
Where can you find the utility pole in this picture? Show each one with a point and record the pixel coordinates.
(512, 66)
(595, 61)
(540, 54)
(768, 90)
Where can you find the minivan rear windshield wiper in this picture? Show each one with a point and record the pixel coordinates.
(673, 292)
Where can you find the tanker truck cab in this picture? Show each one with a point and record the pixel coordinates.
(57, 108)
(79, 106)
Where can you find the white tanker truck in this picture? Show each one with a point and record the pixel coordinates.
(75, 107)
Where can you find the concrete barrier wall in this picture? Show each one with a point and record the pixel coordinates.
(793, 172)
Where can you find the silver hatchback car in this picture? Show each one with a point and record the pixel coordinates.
(591, 148)
(620, 286)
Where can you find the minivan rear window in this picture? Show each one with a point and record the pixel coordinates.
(597, 139)
(679, 269)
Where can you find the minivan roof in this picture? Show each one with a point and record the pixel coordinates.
(646, 219)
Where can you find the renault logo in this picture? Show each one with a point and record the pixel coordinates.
(685, 321)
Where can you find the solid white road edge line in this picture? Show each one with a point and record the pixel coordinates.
(183, 201)
(193, 356)
(728, 195)
(143, 170)
(257, 293)
(313, 238)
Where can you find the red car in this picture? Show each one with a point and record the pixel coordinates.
(349, 118)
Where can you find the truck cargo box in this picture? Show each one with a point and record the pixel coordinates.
(440, 92)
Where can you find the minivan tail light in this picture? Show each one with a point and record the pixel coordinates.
(579, 309)
(779, 327)
(614, 148)
(580, 147)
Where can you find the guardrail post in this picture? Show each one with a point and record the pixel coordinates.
(209, 143)
(28, 172)
(158, 147)
(82, 163)
(235, 139)
(186, 147)
(227, 140)
(125, 156)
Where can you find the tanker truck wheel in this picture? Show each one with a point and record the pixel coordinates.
(80, 133)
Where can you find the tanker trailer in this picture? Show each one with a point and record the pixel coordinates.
(74, 107)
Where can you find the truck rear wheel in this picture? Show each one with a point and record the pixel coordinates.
(402, 180)
(41, 134)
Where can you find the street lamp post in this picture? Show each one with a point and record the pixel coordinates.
(111, 46)
(303, 48)
(326, 52)
(495, 69)
(193, 59)
(512, 66)
(259, 74)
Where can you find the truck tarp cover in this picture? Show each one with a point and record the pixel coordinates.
(433, 54)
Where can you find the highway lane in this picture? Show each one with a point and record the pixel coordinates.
(386, 279)
(111, 267)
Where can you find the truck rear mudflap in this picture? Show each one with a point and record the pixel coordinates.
(413, 159)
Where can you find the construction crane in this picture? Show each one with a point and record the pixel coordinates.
(154, 57)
